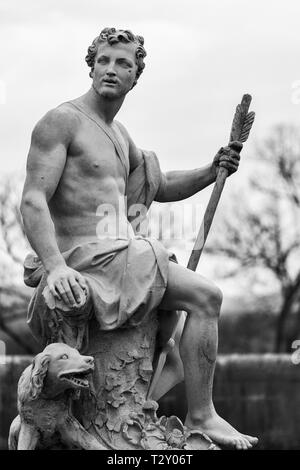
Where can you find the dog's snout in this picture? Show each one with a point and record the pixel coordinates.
(89, 360)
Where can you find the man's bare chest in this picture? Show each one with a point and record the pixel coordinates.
(93, 152)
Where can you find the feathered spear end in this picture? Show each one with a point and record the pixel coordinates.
(242, 121)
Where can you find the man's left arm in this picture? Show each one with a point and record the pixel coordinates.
(178, 185)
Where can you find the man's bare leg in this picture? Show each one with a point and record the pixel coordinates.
(201, 300)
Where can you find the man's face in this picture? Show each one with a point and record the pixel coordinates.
(114, 70)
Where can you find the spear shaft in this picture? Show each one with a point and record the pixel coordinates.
(235, 134)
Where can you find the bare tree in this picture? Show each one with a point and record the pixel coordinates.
(13, 238)
(13, 246)
(262, 229)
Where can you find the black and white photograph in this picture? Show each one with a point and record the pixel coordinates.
(150, 228)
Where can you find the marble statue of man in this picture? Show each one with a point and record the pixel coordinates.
(82, 162)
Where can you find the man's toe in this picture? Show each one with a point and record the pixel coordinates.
(248, 444)
(238, 443)
(251, 439)
(244, 444)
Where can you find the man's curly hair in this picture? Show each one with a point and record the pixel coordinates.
(113, 36)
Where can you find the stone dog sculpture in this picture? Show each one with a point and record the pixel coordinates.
(45, 393)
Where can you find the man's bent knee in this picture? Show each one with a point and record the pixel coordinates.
(208, 300)
(216, 296)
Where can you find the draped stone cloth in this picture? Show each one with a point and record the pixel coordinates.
(126, 277)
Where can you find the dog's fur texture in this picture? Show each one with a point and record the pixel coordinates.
(45, 393)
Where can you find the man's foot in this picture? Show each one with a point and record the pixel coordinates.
(222, 433)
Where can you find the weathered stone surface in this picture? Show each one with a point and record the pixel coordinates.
(117, 412)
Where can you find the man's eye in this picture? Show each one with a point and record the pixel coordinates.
(101, 60)
(124, 63)
(64, 356)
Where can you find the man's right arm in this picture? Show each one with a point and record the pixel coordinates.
(45, 165)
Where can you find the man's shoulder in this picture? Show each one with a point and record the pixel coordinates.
(62, 120)
(59, 124)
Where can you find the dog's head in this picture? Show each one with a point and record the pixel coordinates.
(58, 368)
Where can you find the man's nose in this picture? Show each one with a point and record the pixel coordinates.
(110, 69)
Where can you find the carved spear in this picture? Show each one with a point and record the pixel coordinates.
(240, 130)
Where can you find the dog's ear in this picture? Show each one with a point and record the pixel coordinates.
(38, 374)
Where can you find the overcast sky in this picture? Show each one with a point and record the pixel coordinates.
(202, 56)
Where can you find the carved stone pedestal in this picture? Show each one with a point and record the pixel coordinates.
(116, 410)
